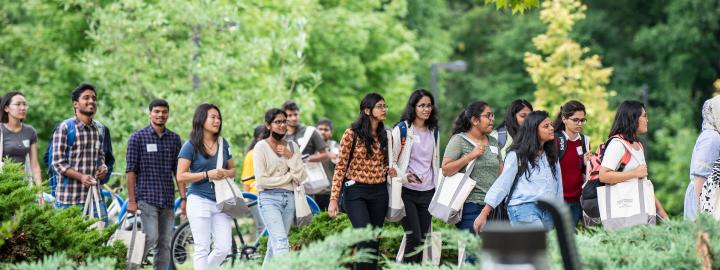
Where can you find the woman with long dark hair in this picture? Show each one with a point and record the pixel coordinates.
(630, 121)
(574, 151)
(197, 164)
(20, 139)
(278, 168)
(416, 152)
(533, 161)
(471, 140)
(363, 179)
(508, 129)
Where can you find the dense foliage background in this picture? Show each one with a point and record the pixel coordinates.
(248, 56)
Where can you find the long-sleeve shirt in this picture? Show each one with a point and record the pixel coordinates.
(540, 183)
(275, 172)
(86, 156)
(362, 169)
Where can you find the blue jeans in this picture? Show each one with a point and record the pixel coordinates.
(470, 211)
(277, 208)
(575, 213)
(529, 213)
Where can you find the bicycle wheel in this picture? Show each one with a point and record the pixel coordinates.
(182, 248)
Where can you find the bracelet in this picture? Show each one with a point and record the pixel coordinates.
(206, 175)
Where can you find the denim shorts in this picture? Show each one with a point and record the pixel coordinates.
(529, 214)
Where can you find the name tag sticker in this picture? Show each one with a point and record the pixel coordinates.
(416, 138)
(26, 143)
(493, 149)
(579, 150)
(151, 147)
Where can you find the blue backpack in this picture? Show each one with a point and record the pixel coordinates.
(71, 134)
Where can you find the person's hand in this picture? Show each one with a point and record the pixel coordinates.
(587, 156)
(132, 207)
(479, 223)
(101, 172)
(413, 178)
(333, 209)
(87, 180)
(478, 151)
(392, 172)
(640, 172)
(183, 205)
(283, 150)
(41, 198)
(216, 174)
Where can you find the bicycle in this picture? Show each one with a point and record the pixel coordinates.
(181, 247)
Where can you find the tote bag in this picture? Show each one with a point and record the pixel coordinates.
(228, 196)
(317, 180)
(396, 207)
(92, 208)
(628, 203)
(451, 193)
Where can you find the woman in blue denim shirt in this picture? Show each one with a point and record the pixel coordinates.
(533, 158)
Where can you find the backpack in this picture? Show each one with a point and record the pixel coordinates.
(502, 137)
(403, 134)
(71, 134)
(588, 196)
(561, 140)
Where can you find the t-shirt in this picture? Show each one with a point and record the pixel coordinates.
(248, 171)
(614, 153)
(200, 163)
(315, 144)
(421, 160)
(17, 145)
(572, 176)
(486, 166)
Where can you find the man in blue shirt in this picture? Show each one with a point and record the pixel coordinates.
(151, 165)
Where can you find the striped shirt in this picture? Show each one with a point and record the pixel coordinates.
(154, 159)
(86, 157)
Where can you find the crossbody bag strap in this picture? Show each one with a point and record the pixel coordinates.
(352, 153)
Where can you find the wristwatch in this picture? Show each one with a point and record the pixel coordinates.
(183, 198)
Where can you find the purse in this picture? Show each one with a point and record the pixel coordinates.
(228, 196)
(341, 197)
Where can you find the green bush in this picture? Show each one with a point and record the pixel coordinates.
(62, 262)
(323, 226)
(32, 232)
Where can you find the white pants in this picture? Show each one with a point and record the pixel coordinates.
(207, 223)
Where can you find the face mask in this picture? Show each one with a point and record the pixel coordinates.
(276, 136)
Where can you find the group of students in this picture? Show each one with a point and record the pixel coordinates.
(528, 155)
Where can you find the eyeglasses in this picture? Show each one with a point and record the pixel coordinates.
(381, 107)
(490, 116)
(425, 106)
(578, 121)
(20, 104)
(280, 122)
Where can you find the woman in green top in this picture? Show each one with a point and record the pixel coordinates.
(507, 130)
(471, 141)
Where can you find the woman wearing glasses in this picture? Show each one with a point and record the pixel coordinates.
(278, 168)
(574, 150)
(19, 140)
(471, 140)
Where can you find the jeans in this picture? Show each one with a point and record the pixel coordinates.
(530, 214)
(470, 211)
(575, 213)
(277, 208)
(417, 221)
(366, 205)
(157, 224)
(208, 226)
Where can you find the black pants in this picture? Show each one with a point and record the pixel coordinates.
(366, 205)
(322, 200)
(417, 221)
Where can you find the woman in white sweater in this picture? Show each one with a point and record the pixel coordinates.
(278, 168)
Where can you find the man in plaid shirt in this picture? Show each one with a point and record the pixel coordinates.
(152, 156)
(84, 163)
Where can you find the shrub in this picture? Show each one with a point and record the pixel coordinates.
(33, 232)
(62, 262)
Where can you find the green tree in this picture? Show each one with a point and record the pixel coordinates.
(562, 72)
(244, 57)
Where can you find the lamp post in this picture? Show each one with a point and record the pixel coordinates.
(457, 65)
